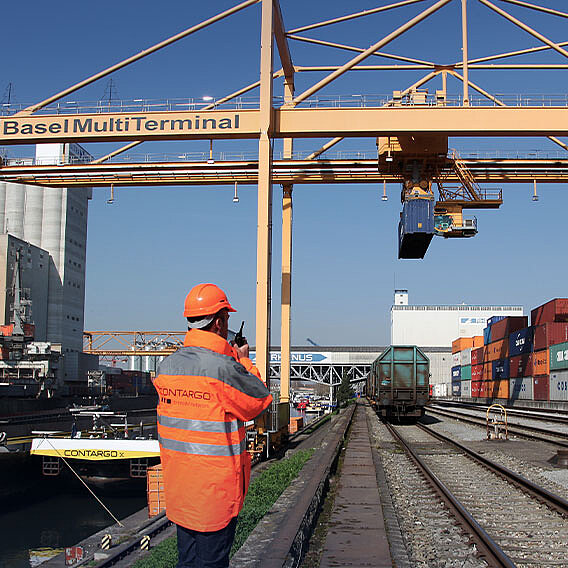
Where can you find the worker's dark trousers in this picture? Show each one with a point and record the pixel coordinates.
(205, 549)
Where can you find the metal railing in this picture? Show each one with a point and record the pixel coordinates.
(195, 104)
(252, 156)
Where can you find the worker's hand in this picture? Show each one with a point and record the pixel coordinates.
(243, 350)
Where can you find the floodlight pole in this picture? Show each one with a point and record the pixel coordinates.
(264, 229)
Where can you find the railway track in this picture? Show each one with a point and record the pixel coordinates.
(556, 437)
(512, 521)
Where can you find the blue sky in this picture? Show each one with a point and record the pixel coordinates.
(147, 249)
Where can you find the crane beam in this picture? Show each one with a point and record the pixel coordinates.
(488, 170)
(295, 123)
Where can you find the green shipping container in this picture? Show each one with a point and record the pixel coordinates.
(559, 356)
(466, 373)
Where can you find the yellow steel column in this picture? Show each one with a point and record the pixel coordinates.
(286, 297)
(465, 55)
(286, 293)
(264, 229)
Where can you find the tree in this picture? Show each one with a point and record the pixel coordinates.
(344, 392)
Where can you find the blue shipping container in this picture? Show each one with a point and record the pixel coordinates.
(521, 341)
(487, 335)
(456, 373)
(494, 319)
(416, 228)
(500, 369)
(456, 388)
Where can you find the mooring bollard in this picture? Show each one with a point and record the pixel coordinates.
(106, 542)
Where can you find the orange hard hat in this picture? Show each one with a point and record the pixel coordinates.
(204, 300)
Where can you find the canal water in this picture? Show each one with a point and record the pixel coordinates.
(58, 521)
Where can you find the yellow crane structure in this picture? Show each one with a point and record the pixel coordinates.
(412, 126)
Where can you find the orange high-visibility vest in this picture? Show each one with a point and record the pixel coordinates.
(205, 395)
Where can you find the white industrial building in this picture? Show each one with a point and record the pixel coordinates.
(439, 325)
(54, 223)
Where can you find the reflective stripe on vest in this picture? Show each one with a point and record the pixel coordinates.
(212, 426)
(203, 449)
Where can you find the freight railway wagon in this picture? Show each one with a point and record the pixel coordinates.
(398, 382)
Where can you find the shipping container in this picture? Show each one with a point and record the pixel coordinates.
(521, 341)
(497, 350)
(484, 389)
(559, 356)
(466, 373)
(553, 311)
(499, 389)
(456, 373)
(487, 374)
(487, 335)
(505, 327)
(456, 388)
(466, 389)
(465, 357)
(494, 319)
(475, 389)
(521, 366)
(462, 343)
(549, 334)
(540, 362)
(477, 341)
(476, 372)
(455, 359)
(440, 390)
(416, 228)
(540, 388)
(521, 388)
(477, 355)
(558, 385)
(500, 369)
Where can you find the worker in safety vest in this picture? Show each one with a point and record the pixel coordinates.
(206, 390)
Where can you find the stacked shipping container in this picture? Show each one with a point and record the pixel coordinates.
(463, 350)
(516, 361)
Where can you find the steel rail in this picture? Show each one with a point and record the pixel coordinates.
(518, 429)
(150, 528)
(487, 546)
(555, 502)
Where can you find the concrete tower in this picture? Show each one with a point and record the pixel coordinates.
(55, 220)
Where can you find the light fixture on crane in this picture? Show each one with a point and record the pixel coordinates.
(235, 196)
(110, 200)
(384, 197)
(535, 194)
(211, 160)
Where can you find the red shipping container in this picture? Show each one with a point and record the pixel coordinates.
(550, 334)
(503, 328)
(485, 388)
(477, 356)
(475, 388)
(521, 366)
(541, 391)
(477, 372)
(553, 311)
